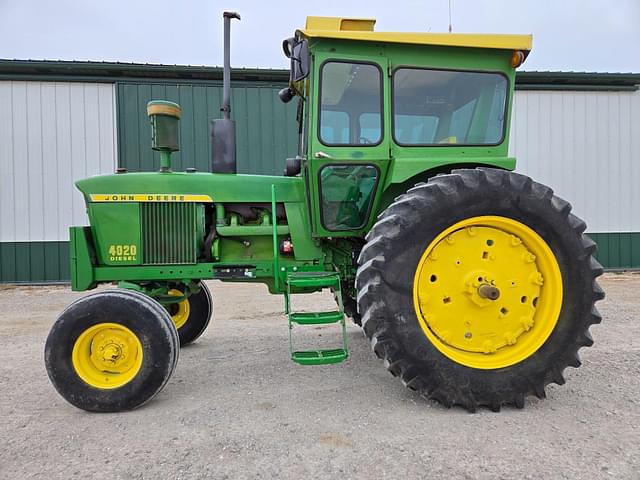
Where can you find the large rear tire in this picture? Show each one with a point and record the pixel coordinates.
(111, 351)
(351, 310)
(350, 306)
(478, 288)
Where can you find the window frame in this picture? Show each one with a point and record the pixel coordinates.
(319, 126)
(373, 195)
(447, 145)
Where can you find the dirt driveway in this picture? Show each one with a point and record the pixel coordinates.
(236, 407)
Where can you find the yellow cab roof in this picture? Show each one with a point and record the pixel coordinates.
(362, 29)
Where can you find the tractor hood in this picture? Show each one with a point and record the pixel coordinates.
(189, 187)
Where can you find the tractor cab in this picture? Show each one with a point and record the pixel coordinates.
(377, 109)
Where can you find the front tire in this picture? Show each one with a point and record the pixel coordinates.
(192, 315)
(111, 351)
(432, 266)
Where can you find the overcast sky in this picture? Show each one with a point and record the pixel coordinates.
(568, 35)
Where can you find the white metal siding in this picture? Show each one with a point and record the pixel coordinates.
(51, 134)
(586, 146)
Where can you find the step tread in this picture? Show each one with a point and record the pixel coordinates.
(319, 357)
(313, 279)
(316, 318)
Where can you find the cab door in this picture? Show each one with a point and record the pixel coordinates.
(348, 142)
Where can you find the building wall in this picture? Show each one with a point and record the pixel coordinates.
(265, 127)
(585, 145)
(51, 134)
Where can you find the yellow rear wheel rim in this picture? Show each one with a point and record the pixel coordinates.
(107, 355)
(183, 311)
(461, 272)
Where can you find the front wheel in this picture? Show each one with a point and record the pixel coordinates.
(478, 288)
(111, 351)
(191, 316)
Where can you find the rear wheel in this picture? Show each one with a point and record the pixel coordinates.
(191, 316)
(111, 351)
(350, 305)
(477, 288)
(351, 310)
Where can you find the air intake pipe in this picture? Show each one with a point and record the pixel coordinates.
(223, 130)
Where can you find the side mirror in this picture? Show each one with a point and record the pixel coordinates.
(299, 61)
(287, 46)
(298, 52)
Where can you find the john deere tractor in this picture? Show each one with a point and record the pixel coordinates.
(474, 284)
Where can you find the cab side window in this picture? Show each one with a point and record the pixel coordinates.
(448, 107)
(350, 104)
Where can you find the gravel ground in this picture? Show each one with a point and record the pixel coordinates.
(236, 407)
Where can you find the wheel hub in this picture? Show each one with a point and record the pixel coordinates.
(480, 285)
(110, 350)
(488, 291)
(111, 353)
(107, 355)
(478, 289)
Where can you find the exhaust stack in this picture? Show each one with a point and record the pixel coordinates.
(223, 130)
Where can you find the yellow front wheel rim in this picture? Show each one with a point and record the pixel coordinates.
(107, 355)
(488, 292)
(183, 309)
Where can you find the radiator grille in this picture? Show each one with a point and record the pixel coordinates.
(168, 233)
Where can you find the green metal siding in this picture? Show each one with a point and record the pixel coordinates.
(49, 261)
(34, 261)
(618, 250)
(265, 127)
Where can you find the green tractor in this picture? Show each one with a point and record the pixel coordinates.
(475, 285)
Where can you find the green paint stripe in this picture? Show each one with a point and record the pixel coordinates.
(49, 261)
